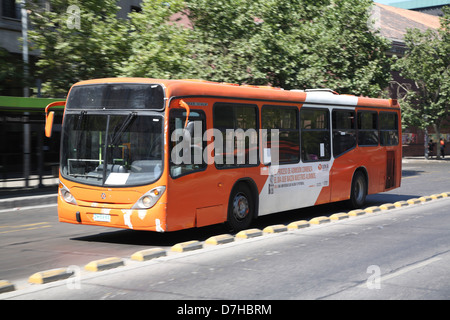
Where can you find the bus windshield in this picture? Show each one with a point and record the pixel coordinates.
(117, 149)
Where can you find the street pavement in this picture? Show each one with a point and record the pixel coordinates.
(416, 240)
(400, 254)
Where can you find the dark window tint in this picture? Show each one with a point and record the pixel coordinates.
(116, 96)
(367, 128)
(315, 134)
(237, 144)
(344, 131)
(388, 128)
(285, 120)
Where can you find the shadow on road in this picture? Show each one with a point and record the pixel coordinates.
(168, 239)
(411, 173)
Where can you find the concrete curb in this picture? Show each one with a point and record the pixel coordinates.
(387, 206)
(50, 276)
(104, 264)
(355, 213)
(339, 216)
(319, 220)
(28, 201)
(186, 246)
(372, 209)
(400, 204)
(298, 225)
(220, 239)
(413, 201)
(275, 228)
(148, 254)
(249, 233)
(425, 199)
(6, 286)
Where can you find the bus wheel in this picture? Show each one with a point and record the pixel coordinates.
(240, 208)
(359, 190)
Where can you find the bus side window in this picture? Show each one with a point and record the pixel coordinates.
(367, 128)
(388, 128)
(285, 120)
(181, 163)
(344, 131)
(238, 125)
(315, 134)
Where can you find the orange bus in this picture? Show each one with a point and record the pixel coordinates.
(120, 144)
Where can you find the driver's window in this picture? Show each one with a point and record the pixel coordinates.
(186, 144)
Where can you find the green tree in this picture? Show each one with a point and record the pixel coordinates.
(76, 43)
(427, 63)
(290, 43)
(286, 43)
(160, 47)
(11, 74)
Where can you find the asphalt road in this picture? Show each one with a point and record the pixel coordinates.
(405, 251)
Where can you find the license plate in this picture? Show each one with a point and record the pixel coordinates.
(102, 217)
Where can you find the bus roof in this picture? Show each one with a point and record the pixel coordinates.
(194, 87)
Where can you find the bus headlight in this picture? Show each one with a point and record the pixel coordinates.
(65, 194)
(150, 198)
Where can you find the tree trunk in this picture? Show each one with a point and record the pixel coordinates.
(437, 129)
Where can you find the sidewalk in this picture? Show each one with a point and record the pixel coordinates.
(14, 195)
(422, 159)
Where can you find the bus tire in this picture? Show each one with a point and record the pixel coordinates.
(241, 208)
(358, 191)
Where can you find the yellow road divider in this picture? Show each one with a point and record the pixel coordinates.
(355, 213)
(298, 225)
(372, 209)
(275, 228)
(186, 246)
(339, 216)
(414, 201)
(6, 286)
(104, 264)
(387, 206)
(50, 276)
(148, 254)
(249, 233)
(319, 220)
(220, 239)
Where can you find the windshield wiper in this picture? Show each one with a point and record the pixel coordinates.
(118, 134)
(115, 139)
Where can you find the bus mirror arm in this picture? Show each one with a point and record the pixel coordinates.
(49, 116)
(185, 106)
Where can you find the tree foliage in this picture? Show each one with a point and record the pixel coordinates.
(427, 63)
(289, 43)
(160, 47)
(11, 73)
(286, 43)
(72, 50)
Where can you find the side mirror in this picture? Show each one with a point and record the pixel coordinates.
(49, 123)
(49, 116)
